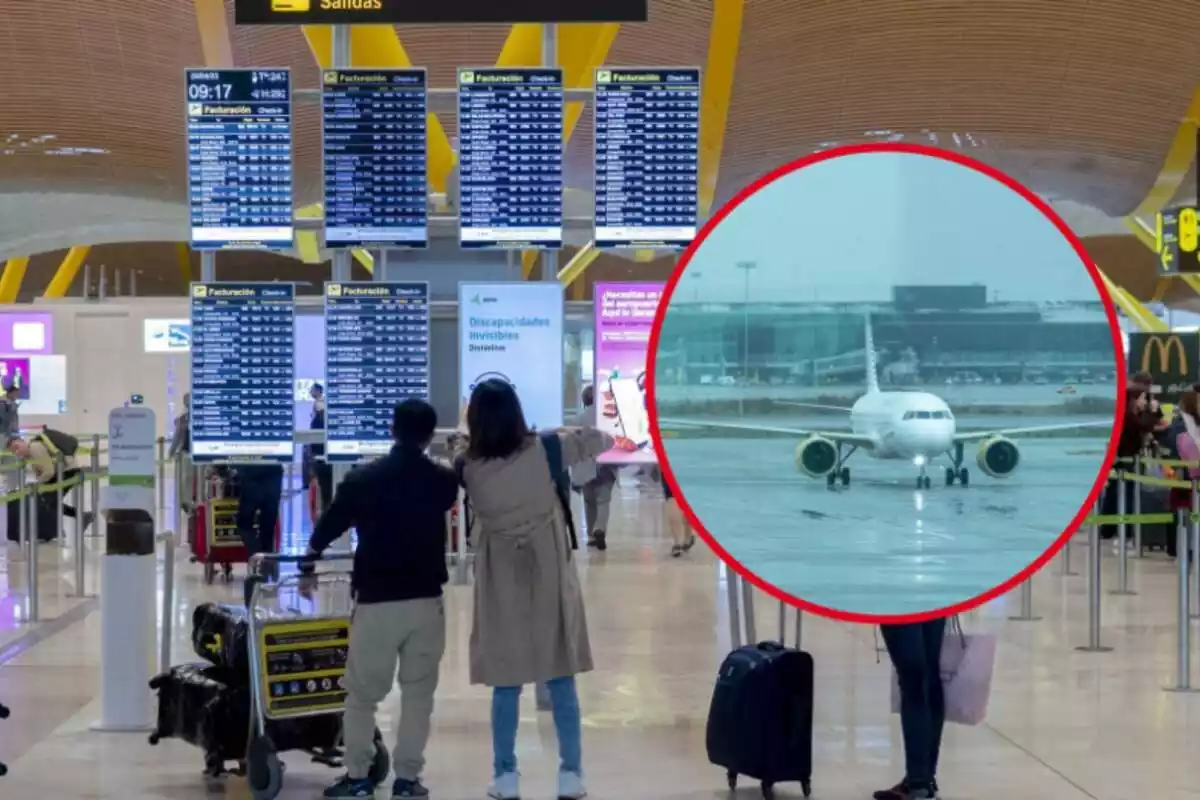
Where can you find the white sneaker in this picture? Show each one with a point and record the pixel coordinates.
(505, 787)
(570, 786)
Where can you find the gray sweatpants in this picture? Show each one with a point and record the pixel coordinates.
(597, 499)
(402, 641)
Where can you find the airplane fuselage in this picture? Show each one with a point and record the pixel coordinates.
(904, 425)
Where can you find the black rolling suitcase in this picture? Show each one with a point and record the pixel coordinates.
(204, 706)
(221, 634)
(47, 514)
(760, 722)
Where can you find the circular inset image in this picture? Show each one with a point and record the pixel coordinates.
(884, 380)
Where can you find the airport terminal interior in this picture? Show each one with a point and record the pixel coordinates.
(224, 208)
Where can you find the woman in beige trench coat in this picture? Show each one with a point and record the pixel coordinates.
(529, 624)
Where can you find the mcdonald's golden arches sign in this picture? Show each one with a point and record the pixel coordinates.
(1172, 360)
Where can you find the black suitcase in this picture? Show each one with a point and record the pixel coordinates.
(205, 706)
(47, 513)
(760, 723)
(221, 634)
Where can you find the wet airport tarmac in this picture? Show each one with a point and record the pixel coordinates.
(1016, 395)
(881, 546)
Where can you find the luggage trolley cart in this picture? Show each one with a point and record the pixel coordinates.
(297, 671)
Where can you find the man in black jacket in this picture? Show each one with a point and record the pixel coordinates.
(398, 505)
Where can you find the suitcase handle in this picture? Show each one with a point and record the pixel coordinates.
(294, 558)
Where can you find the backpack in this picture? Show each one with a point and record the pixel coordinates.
(58, 442)
(561, 479)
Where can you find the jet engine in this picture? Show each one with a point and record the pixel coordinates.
(816, 456)
(998, 457)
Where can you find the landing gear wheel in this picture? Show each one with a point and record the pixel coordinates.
(845, 476)
(210, 573)
(950, 476)
(731, 779)
(831, 479)
(264, 770)
(768, 791)
(927, 481)
(806, 787)
(923, 482)
(964, 477)
(381, 764)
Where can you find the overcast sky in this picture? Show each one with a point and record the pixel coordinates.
(849, 229)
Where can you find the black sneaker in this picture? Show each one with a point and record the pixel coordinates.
(599, 541)
(348, 788)
(403, 789)
(690, 543)
(88, 519)
(904, 791)
(676, 551)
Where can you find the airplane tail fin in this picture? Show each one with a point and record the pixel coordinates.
(872, 366)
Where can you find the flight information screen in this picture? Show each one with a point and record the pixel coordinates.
(647, 157)
(243, 342)
(376, 354)
(239, 132)
(373, 143)
(511, 154)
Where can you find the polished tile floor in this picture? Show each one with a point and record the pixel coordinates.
(1063, 724)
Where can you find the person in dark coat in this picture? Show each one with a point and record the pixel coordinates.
(1137, 429)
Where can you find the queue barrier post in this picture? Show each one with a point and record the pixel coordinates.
(95, 487)
(735, 610)
(79, 548)
(289, 480)
(748, 611)
(1194, 547)
(58, 502)
(799, 626)
(460, 543)
(1094, 593)
(1138, 470)
(1122, 538)
(1026, 613)
(1183, 654)
(160, 482)
(167, 538)
(30, 509)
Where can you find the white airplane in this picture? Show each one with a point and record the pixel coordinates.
(909, 426)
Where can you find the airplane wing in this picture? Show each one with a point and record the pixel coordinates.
(815, 406)
(972, 436)
(834, 436)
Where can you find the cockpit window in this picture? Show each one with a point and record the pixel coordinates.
(927, 415)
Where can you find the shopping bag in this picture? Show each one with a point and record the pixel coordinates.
(968, 662)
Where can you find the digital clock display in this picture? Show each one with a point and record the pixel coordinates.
(239, 126)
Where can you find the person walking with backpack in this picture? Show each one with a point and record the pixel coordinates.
(529, 622)
(42, 454)
(594, 481)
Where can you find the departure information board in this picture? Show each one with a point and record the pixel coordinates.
(373, 142)
(376, 354)
(243, 342)
(510, 129)
(1177, 233)
(239, 130)
(647, 157)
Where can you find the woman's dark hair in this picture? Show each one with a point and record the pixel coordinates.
(495, 421)
(588, 396)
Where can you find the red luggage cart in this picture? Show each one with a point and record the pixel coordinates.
(212, 530)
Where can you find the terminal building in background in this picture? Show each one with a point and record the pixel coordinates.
(947, 335)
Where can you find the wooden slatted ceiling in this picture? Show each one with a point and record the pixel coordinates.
(1077, 97)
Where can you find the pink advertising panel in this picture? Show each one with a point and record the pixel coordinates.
(624, 316)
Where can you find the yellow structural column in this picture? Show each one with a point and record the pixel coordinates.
(724, 42)
(64, 276)
(582, 47)
(183, 260)
(11, 279)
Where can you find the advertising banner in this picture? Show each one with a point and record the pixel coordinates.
(27, 333)
(514, 332)
(1172, 359)
(624, 316)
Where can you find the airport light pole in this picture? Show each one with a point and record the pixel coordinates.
(746, 267)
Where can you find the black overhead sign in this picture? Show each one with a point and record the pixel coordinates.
(408, 12)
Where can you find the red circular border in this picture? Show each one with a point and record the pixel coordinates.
(828, 155)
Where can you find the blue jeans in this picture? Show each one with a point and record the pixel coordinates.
(916, 651)
(506, 708)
